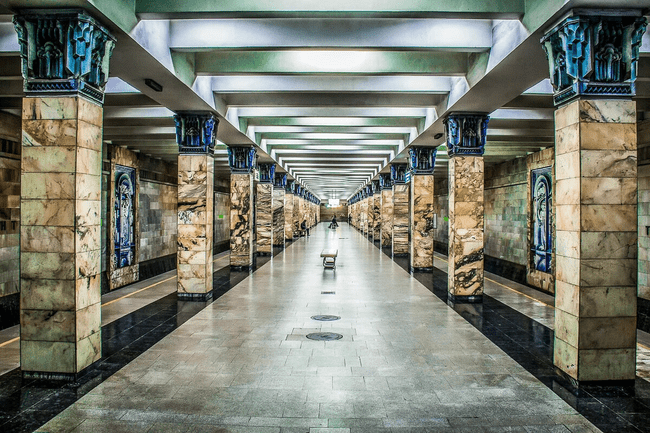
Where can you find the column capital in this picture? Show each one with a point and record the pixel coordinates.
(465, 133)
(280, 180)
(267, 172)
(291, 186)
(195, 132)
(398, 173)
(385, 181)
(241, 159)
(63, 53)
(594, 53)
(422, 160)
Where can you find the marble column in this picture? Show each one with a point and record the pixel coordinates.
(596, 239)
(420, 220)
(278, 216)
(466, 210)
(466, 143)
(279, 202)
(195, 205)
(386, 226)
(296, 215)
(195, 226)
(241, 160)
(596, 197)
(401, 198)
(371, 216)
(376, 212)
(264, 218)
(421, 165)
(264, 209)
(288, 215)
(61, 169)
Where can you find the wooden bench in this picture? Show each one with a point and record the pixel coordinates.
(329, 258)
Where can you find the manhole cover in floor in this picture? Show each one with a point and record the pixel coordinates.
(324, 336)
(327, 293)
(325, 317)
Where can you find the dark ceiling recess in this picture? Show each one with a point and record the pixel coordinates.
(155, 86)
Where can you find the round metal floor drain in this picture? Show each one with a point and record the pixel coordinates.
(325, 317)
(324, 336)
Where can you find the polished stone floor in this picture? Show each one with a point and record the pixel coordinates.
(407, 362)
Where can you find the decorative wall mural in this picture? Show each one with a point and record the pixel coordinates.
(541, 194)
(124, 227)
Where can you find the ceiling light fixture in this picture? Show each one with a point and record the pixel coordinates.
(152, 84)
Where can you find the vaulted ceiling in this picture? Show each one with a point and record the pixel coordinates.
(331, 91)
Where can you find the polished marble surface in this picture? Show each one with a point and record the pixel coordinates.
(26, 404)
(407, 361)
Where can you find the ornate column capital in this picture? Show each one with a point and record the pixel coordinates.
(376, 186)
(290, 186)
(63, 53)
(594, 53)
(398, 173)
(195, 132)
(465, 133)
(385, 181)
(241, 159)
(422, 160)
(280, 180)
(267, 172)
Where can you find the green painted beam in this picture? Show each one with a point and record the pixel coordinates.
(330, 62)
(332, 8)
(333, 121)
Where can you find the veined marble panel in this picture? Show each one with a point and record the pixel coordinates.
(376, 216)
(241, 217)
(466, 177)
(296, 215)
(61, 151)
(421, 221)
(370, 215)
(401, 219)
(386, 227)
(264, 218)
(278, 216)
(195, 223)
(288, 216)
(596, 252)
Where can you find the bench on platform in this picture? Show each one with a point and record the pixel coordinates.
(329, 257)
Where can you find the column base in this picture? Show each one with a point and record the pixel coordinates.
(264, 253)
(476, 299)
(194, 297)
(50, 376)
(241, 268)
(417, 269)
(400, 254)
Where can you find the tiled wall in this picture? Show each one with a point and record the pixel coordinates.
(9, 219)
(221, 221)
(157, 220)
(326, 213)
(221, 241)
(506, 191)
